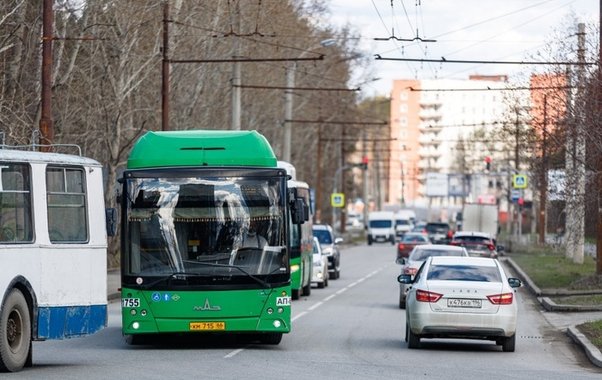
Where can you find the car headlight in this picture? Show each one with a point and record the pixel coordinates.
(327, 251)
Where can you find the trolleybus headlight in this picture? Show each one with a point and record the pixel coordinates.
(277, 324)
(270, 310)
(135, 325)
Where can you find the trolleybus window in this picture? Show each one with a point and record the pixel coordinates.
(15, 204)
(67, 216)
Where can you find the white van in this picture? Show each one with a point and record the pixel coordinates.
(381, 227)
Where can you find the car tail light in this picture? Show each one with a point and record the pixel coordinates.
(450, 234)
(501, 299)
(409, 270)
(491, 247)
(426, 296)
(400, 246)
(454, 243)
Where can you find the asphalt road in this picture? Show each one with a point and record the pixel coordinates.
(352, 329)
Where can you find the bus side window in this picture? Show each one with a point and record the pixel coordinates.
(15, 203)
(67, 213)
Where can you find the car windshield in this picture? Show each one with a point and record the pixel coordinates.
(323, 236)
(414, 238)
(401, 222)
(419, 254)
(380, 224)
(464, 273)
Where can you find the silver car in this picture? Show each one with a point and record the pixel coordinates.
(416, 258)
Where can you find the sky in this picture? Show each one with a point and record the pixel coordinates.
(483, 30)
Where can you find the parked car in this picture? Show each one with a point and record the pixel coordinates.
(461, 297)
(439, 232)
(418, 255)
(319, 274)
(479, 244)
(409, 241)
(330, 247)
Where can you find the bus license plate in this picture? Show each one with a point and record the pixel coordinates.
(207, 326)
(462, 302)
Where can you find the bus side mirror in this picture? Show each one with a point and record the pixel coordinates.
(111, 221)
(298, 211)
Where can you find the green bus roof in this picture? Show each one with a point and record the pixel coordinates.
(201, 148)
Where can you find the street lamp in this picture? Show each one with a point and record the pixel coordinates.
(288, 102)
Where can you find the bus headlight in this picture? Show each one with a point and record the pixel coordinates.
(294, 268)
(133, 312)
(277, 324)
(280, 310)
(135, 325)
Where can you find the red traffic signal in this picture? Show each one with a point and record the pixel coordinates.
(488, 163)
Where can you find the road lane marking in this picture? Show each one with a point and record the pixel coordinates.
(298, 316)
(316, 305)
(329, 297)
(235, 352)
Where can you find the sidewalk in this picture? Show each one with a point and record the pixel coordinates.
(564, 317)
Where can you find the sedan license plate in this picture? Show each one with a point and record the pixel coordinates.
(207, 326)
(464, 302)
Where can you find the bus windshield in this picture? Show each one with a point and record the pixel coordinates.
(214, 230)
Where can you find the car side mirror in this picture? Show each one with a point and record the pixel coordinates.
(500, 248)
(514, 282)
(338, 240)
(400, 261)
(405, 279)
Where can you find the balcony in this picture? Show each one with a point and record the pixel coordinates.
(426, 127)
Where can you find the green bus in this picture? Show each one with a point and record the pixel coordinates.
(190, 200)
(301, 237)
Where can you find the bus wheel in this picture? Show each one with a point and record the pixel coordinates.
(15, 332)
(271, 338)
(295, 294)
(307, 290)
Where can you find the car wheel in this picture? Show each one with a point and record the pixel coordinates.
(369, 240)
(15, 332)
(337, 273)
(413, 339)
(322, 284)
(402, 300)
(392, 240)
(508, 344)
(326, 280)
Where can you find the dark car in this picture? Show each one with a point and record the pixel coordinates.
(476, 243)
(409, 241)
(330, 247)
(439, 232)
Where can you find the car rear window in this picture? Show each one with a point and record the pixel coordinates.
(472, 239)
(423, 254)
(437, 227)
(414, 238)
(323, 236)
(464, 273)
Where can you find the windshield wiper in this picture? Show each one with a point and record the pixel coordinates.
(167, 278)
(258, 280)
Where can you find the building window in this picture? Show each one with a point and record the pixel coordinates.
(15, 203)
(67, 215)
(403, 95)
(403, 108)
(403, 121)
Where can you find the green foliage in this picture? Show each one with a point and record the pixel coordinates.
(552, 270)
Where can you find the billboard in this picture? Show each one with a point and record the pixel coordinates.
(436, 185)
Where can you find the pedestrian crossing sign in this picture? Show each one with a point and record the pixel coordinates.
(519, 181)
(337, 200)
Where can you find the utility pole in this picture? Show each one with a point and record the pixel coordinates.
(543, 182)
(46, 124)
(165, 70)
(575, 166)
(318, 214)
(599, 111)
(236, 75)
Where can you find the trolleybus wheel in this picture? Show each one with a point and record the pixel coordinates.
(15, 332)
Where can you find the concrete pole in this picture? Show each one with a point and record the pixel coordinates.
(46, 125)
(236, 74)
(288, 111)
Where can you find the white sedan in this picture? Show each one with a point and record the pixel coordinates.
(319, 274)
(461, 297)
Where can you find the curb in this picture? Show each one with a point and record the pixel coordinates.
(592, 352)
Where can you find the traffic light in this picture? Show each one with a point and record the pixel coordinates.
(487, 163)
(365, 162)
